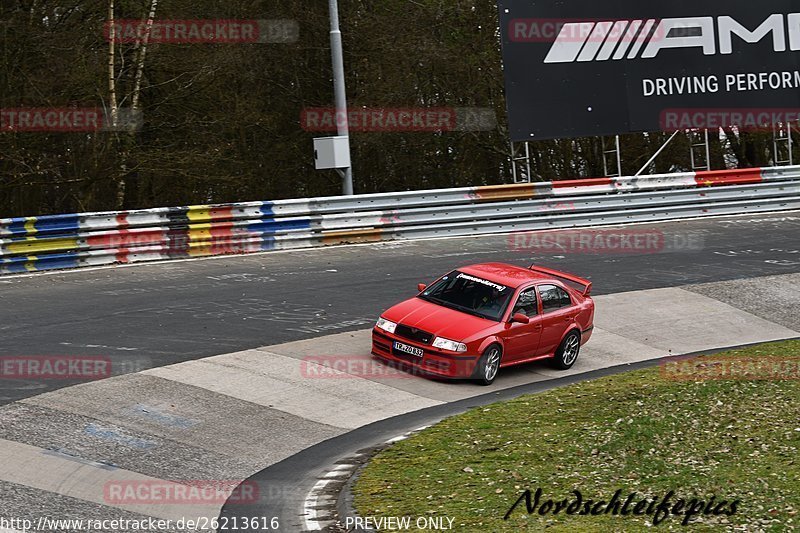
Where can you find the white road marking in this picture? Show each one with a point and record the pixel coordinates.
(310, 504)
(336, 474)
(406, 435)
(315, 518)
(101, 346)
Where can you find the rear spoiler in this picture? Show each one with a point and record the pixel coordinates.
(584, 286)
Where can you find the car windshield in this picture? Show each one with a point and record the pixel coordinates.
(470, 294)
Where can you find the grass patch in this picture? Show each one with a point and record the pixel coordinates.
(640, 432)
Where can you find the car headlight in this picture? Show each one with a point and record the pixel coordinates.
(450, 346)
(386, 325)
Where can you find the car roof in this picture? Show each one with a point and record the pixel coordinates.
(508, 275)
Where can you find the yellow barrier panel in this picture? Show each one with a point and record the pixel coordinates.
(34, 245)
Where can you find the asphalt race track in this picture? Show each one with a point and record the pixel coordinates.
(211, 350)
(155, 315)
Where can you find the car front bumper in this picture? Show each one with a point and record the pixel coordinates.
(434, 362)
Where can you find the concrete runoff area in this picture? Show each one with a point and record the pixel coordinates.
(229, 416)
(774, 298)
(61, 474)
(22, 501)
(277, 382)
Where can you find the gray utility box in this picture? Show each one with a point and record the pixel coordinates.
(332, 152)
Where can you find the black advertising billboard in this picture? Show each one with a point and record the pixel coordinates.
(587, 68)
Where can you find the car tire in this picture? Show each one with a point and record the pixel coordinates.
(568, 352)
(488, 365)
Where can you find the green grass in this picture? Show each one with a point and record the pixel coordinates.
(639, 432)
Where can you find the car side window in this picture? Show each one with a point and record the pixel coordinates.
(554, 298)
(527, 304)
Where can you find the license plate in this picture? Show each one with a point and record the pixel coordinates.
(411, 350)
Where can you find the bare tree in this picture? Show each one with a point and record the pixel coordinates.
(112, 77)
(142, 55)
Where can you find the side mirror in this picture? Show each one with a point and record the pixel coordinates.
(421, 287)
(520, 318)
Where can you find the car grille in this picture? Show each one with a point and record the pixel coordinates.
(407, 357)
(413, 334)
(439, 365)
(382, 346)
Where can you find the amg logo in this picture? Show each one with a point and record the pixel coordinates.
(632, 39)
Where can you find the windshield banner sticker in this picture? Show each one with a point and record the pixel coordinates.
(500, 288)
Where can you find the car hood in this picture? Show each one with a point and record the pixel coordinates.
(436, 319)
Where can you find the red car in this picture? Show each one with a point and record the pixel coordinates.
(478, 319)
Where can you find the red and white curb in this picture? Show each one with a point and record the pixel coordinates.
(320, 504)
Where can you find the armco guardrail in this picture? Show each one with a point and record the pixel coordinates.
(93, 239)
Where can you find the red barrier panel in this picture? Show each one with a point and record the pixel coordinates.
(716, 178)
